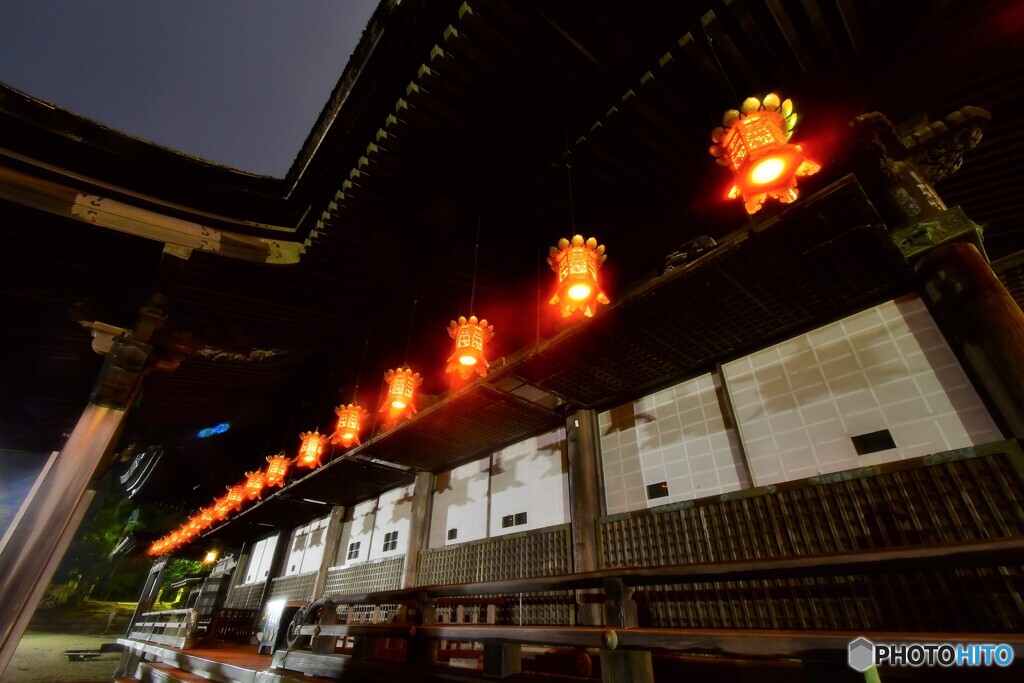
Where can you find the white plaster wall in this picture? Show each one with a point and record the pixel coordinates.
(678, 436)
(531, 476)
(394, 513)
(460, 502)
(259, 560)
(306, 549)
(798, 403)
(358, 530)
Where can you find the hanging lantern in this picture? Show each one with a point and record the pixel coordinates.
(576, 264)
(207, 517)
(222, 508)
(402, 384)
(470, 337)
(277, 469)
(235, 497)
(311, 450)
(754, 143)
(350, 420)
(255, 482)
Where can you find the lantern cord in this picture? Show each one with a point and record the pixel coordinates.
(539, 257)
(327, 385)
(359, 375)
(476, 256)
(412, 317)
(714, 53)
(568, 172)
(288, 429)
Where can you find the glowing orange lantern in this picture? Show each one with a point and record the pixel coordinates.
(350, 420)
(402, 384)
(311, 450)
(221, 508)
(277, 469)
(470, 337)
(754, 143)
(255, 482)
(206, 517)
(576, 263)
(235, 496)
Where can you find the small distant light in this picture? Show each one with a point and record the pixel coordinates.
(217, 429)
(211, 557)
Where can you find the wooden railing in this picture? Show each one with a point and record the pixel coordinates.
(229, 624)
(625, 647)
(173, 627)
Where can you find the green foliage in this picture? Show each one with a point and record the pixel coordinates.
(100, 532)
(180, 568)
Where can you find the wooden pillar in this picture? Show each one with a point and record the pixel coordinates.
(419, 526)
(622, 666)
(241, 566)
(36, 541)
(332, 540)
(586, 499)
(976, 311)
(154, 580)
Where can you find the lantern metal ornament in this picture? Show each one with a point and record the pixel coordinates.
(221, 508)
(754, 143)
(402, 384)
(576, 262)
(471, 337)
(235, 497)
(311, 450)
(255, 482)
(350, 421)
(277, 469)
(207, 517)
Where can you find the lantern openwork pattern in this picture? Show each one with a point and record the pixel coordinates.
(311, 450)
(222, 508)
(400, 400)
(754, 143)
(236, 496)
(277, 470)
(255, 482)
(350, 421)
(207, 517)
(576, 262)
(471, 337)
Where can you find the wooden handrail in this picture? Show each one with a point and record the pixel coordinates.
(960, 555)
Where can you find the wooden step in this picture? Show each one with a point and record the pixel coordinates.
(156, 672)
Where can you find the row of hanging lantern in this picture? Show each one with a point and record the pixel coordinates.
(576, 263)
(235, 497)
(753, 142)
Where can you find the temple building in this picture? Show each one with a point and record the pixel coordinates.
(582, 341)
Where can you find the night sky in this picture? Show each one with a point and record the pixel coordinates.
(239, 82)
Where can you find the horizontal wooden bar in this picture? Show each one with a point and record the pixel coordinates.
(966, 554)
(761, 643)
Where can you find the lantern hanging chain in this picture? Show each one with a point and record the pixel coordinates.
(476, 256)
(412, 317)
